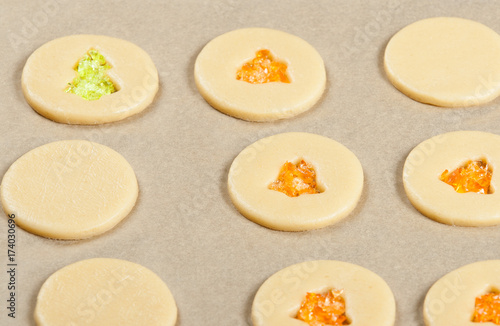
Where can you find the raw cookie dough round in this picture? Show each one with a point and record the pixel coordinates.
(451, 300)
(50, 68)
(104, 292)
(368, 299)
(216, 66)
(437, 199)
(71, 189)
(445, 61)
(339, 176)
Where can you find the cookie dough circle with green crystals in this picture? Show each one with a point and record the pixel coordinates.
(125, 74)
(104, 292)
(217, 64)
(368, 298)
(339, 178)
(445, 61)
(438, 200)
(451, 300)
(71, 189)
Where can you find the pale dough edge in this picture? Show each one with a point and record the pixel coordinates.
(457, 290)
(46, 231)
(318, 276)
(263, 220)
(258, 117)
(447, 142)
(417, 95)
(124, 104)
(218, 102)
(318, 218)
(172, 307)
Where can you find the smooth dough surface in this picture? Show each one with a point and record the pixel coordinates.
(216, 66)
(368, 299)
(339, 176)
(105, 292)
(71, 189)
(438, 200)
(50, 68)
(445, 61)
(451, 300)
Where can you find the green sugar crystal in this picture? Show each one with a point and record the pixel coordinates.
(91, 82)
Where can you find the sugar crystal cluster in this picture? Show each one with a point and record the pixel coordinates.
(323, 309)
(296, 179)
(92, 82)
(263, 69)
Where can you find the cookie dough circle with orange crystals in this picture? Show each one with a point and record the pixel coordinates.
(339, 177)
(217, 65)
(104, 292)
(445, 61)
(71, 189)
(51, 67)
(439, 200)
(451, 300)
(368, 298)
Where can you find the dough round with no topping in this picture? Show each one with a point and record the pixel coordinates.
(339, 176)
(437, 199)
(368, 299)
(104, 292)
(451, 300)
(70, 189)
(216, 66)
(50, 68)
(445, 61)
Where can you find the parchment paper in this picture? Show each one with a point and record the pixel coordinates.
(184, 226)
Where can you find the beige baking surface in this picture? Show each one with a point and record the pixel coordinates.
(104, 292)
(184, 227)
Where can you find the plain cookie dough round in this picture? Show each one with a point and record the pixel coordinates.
(216, 66)
(451, 300)
(438, 200)
(339, 176)
(50, 68)
(368, 299)
(445, 61)
(104, 292)
(71, 189)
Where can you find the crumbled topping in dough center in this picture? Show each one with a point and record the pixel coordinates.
(295, 180)
(263, 69)
(323, 309)
(91, 81)
(487, 309)
(474, 176)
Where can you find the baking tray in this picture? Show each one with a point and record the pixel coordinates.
(184, 226)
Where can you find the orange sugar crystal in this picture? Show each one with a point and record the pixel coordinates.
(263, 69)
(323, 309)
(295, 180)
(475, 176)
(487, 309)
